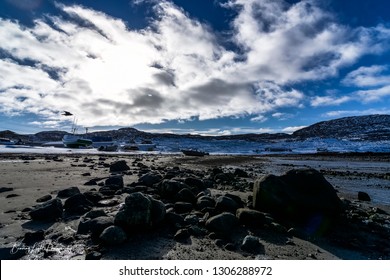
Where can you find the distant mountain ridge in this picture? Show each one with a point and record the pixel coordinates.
(368, 128)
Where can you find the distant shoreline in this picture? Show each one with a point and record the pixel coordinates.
(362, 155)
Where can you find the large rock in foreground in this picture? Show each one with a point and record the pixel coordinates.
(299, 196)
(49, 211)
(140, 211)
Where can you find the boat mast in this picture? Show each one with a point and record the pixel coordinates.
(74, 126)
(74, 123)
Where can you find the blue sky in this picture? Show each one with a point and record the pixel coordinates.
(207, 66)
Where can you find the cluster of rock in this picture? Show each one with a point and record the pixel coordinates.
(180, 200)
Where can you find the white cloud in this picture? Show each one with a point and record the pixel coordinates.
(259, 119)
(213, 131)
(271, 96)
(108, 74)
(319, 101)
(374, 82)
(46, 124)
(368, 76)
(300, 42)
(137, 2)
(282, 116)
(373, 94)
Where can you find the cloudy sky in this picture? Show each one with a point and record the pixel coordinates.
(186, 66)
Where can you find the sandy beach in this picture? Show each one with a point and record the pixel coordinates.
(360, 231)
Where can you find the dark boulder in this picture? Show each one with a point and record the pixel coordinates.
(31, 238)
(197, 231)
(119, 166)
(363, 196)
(250, 217)
(113, 235)
(94, 226)
(92, 182)
(94, 196)
(169, 188)
(140, 211)
(136, 212)
(240, 173)
(191, 219)
(95, 213)
(68, 192)
(185, 195)
(183, 207)
(133, 189)
(226, 204)
(114, 181)
(108, 190)
(77, 204)
(48, 211)
(204, 202)
(236, 198)
(149, 179)
(222, 223)
(174, 219)
(195, 183)
(252, 245)
(216, 170)
(5, 189)
(224, 177)
(158, 212)
(208, 183)
(171, 174)
(182, 235)
(299, 196)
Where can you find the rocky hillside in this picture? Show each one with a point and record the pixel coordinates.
(370, 128)
(129, 133)
(14, 136)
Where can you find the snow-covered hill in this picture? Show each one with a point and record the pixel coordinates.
(352, 134)
(367, 128)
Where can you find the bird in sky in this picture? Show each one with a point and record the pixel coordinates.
(66, 113)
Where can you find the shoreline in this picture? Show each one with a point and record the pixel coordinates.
(33, 176)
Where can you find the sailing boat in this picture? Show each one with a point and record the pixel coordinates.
(73, 140)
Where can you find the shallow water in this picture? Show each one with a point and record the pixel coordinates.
(232, 147)
(365, 179)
